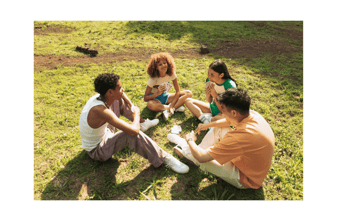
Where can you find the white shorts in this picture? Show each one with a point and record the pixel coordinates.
(228, 172)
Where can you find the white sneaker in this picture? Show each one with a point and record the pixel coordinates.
(174, 138)
(180, 109)
(176, 165)
(147, 124)
(205, 118)
(166, 115)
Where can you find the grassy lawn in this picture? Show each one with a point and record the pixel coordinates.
(265, 58)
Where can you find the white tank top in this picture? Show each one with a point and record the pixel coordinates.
(90, 137)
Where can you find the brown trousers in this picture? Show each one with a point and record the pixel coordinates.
(113, 142)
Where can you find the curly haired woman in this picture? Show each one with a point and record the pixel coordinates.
(161, 70)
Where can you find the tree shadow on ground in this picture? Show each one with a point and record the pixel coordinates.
(200, 30)
(85, 179)
(77, 178)
(278, 43)
(224, 36)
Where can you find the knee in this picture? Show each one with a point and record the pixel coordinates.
(151, 105)
(186, 93)
(189, 93)
(103, 158)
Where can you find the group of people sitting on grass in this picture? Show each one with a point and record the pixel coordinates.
(238, 147)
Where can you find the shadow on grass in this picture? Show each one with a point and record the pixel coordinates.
(79, 177)
(210, 32)
(84, 178)
(147, 113)
(200, 31)
(225, 191)
(190, 187)
(87, 179)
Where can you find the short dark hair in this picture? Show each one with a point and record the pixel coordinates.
(105, 81)
(236, 99)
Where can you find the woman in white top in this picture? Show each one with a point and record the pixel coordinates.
(161, 70)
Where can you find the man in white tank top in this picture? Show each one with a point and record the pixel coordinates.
(103, 110)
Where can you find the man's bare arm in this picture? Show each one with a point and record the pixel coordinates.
(106, 115)
(198, 153)
(223, 123)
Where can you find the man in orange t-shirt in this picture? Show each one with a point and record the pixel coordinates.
(241, 157)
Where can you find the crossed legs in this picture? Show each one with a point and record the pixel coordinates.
(155, 105)
(140, 144)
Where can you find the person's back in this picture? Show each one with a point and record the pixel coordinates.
(256, 139)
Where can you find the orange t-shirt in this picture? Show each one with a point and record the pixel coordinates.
(250, 147)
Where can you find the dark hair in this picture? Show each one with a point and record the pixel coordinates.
(155, 58)
(220, 67)
(105, 81)
(236, 99)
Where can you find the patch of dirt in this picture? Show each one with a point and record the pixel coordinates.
(287, 31)
(253, 49)
(52, 62)
(228, 49)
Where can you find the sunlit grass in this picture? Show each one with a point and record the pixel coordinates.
(61, 166)
(122, 36)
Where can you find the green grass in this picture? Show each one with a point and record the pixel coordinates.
(120, 36)
(63, 170)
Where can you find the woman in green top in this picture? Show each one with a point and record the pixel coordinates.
(217, 82)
